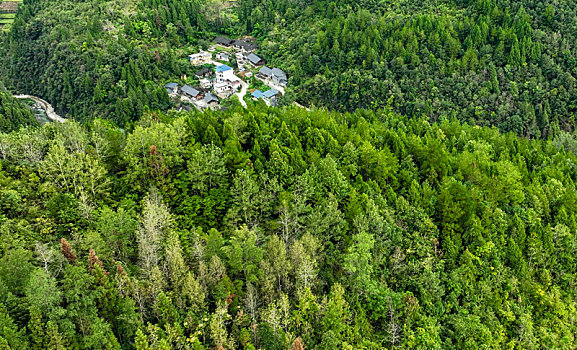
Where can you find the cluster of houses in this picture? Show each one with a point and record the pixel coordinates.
(199, 98)
(246, 56)
(223, 81)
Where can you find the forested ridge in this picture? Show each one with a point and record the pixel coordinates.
(510, 64)
(281, 228)
(426, 201)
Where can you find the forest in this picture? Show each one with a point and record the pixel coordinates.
(13, 113)
(509, 64)
(278, 228)
(426, 200)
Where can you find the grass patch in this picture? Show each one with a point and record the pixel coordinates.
(6, 21)
(7, 15)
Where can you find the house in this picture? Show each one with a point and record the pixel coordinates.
(245, 46)
(223, 56)
(200, 58)
(203, 73)
(255, 60)
(257, 94)
(265, 73)
(270, 97)
(241, 60)
(191, 92)
(224, 72)
(224, 41)
(279, 77)
(224, 89)
(171, 89)
(226, 82)
(205, 83)
(211, 100)
(275, 75)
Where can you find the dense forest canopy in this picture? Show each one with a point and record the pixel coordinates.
(426, 200)
(511, 64)
(279, 228)
(13, 113)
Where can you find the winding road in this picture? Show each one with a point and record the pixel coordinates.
(45, 106)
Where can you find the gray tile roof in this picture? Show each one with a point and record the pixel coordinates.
(208, 98)
(279, 73)
(245, 45)
(266, 71)
(189, 90)
(223, 40)
(254, 59)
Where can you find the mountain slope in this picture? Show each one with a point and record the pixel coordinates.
(266, 228)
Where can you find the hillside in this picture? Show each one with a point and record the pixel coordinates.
(274, 228)
(510, 64)
(380, 174)
(13, 113)
(105, 59)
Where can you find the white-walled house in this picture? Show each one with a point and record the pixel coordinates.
(223, 56)
(224, 72)
(226, 82)
(200, 58)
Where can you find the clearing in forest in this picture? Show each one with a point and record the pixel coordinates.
(8, 9)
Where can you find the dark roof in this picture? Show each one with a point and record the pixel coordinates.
(202, 72)
(171, 85)
(270, 93)
(223, 40)
(189, 90)
(254, 59)
(245, 45)
(208, 98)
(265, 71)
(279, 73)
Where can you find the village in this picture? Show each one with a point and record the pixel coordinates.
(218, 81)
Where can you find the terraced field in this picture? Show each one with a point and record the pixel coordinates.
(8, 9)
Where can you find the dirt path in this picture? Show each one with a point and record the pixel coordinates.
(45, 106)
(242, 92)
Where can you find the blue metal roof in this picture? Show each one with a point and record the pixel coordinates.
(171, 85)
(270, 93)
(222, 68)
(257, 94)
